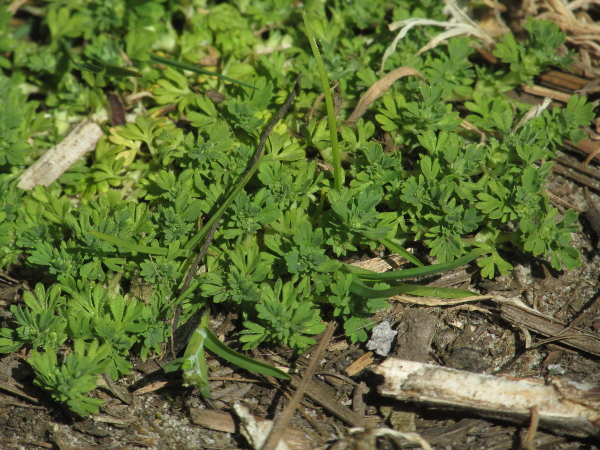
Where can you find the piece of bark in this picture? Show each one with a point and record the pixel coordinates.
(415, 334)
(117, 111)
(59, 158)
(564, 407)
(577, 176)
(592, 213)
(585, 147)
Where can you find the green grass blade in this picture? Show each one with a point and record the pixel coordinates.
(106, 69)
(230, 198)
(115, 71)
(359, 288)
(89, 66)
(191, 288)
(416, 272)
(338, 171)
(213, 344)
(193, 362)
(121, 244)
(393, 247)
(98, 66)
(184, 66)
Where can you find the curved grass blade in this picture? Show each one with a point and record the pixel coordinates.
(217, 215)
(99, 67)
(193, 362)
(360, 288)
(213, 344)
(416, 272)
(106, 69)
(116, 71)
(184, 66)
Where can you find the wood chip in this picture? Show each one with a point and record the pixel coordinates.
(546, 92)
(213, 420)
(360, 364)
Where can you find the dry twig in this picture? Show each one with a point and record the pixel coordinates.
(281, 424)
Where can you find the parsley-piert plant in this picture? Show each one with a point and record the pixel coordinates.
(113, 243)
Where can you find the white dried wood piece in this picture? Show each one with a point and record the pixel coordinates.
(59, 158)
(564, 406)
(256, 430)
(368, 437)
(294, 437)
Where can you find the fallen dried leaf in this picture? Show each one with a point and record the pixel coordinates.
(378, 89)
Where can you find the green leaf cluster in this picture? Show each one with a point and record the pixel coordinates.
(112, 240)
(531, 57)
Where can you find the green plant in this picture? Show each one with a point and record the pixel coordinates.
(282, 317)
(115, 240)
(71, 380)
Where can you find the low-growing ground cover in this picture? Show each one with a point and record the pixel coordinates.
(416, 144)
